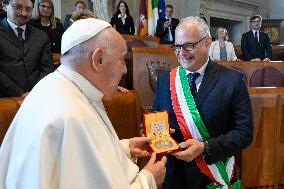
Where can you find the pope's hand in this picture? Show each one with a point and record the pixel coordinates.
(158, 169)
(139, 147)
(193, 148)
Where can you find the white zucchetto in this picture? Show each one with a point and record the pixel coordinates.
(81, 31)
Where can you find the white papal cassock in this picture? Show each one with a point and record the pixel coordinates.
(59, 140)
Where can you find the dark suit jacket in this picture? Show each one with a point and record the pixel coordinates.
(127, 28)
(67, 21)
(252, 49)
(163, 34)
(224, 105)
(21, 67)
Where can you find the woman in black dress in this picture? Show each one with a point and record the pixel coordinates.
(47, 22)
(122, 21)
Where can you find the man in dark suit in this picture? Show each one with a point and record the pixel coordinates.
(211, 113)
(79, 7)
(25, 55)
(166, 27)
(255, 44)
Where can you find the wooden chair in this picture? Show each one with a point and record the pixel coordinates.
(56, 59)
(124, 111)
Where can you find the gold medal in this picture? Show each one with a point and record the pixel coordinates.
(163, 144)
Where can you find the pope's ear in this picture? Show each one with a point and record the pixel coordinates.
(97, 58)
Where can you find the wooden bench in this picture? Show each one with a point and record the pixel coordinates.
(276, 49)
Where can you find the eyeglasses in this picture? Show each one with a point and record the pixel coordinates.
(45, 6)
(186, 46)
(19, 7)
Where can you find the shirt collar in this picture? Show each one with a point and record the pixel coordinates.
(201, 70)
(168, 17)
(92, 93)
(253, 31)
(120, 16)
(14, 26)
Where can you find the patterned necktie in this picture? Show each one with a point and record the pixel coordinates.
(191, 79)
(255, 36)
(20, 34)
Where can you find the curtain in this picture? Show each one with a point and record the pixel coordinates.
(104, 9)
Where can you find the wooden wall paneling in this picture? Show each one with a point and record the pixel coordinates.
(150, 41)
(248, 67)
(141, 56)
(262, 162)
(275, 51)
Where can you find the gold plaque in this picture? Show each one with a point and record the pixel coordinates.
(156, 126)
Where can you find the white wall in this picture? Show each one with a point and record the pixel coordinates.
(271, 9)
(57, 8)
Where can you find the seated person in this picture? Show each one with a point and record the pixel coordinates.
(25, 55)
(47, 22)
(222, 49)
(79, 6)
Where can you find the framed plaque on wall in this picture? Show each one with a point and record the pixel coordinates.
(272, 27)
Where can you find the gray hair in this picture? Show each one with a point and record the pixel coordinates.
(203, 27)
(83, 50)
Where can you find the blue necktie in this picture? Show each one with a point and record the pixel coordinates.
(191, 79)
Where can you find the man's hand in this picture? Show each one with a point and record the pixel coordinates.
(139, 147)
(256, 59)
(266, 59)
(158, 168)
(25, 94)
(167, 24)
(193, 148)
(122, 89)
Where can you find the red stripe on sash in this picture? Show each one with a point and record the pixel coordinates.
(183, 126)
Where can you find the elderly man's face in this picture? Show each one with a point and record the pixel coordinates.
(113, 60)
(20, 11)
(193, 59)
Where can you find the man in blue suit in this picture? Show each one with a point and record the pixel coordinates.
(255, 44)
(210, 112)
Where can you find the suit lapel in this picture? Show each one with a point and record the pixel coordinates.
(209, 81)
(251, 35)
(261, 36)
(30, 38)
(9, 33)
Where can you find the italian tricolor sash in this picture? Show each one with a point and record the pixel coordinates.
(192, 127)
